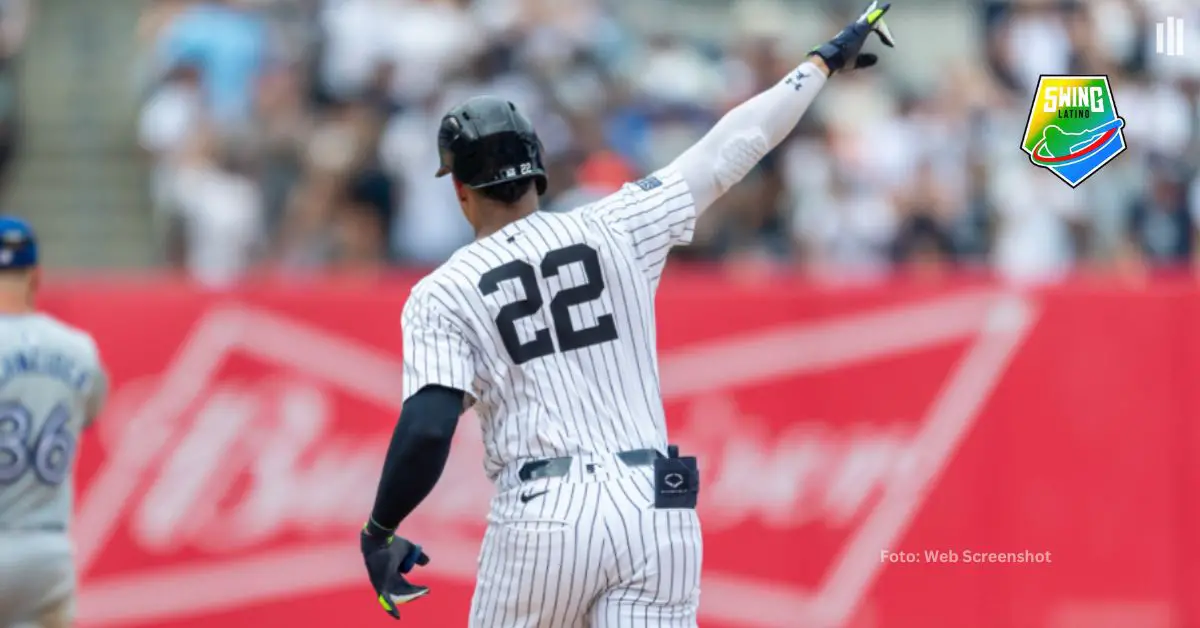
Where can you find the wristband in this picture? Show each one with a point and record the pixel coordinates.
(374, 530)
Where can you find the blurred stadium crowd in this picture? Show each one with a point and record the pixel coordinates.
(14, 28)
(301, 134)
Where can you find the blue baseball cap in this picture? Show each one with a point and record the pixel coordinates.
(18, 245)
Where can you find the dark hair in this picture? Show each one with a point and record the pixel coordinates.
(922, 232)
(508, 192)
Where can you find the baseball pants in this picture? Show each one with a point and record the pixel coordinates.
(37, 580)
(588, 550)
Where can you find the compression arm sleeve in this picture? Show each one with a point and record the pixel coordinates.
(417, 454)
(727, 153)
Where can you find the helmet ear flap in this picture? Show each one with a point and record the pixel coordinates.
(538, 150)
(447, 162)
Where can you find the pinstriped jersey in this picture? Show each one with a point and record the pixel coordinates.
(549, 324)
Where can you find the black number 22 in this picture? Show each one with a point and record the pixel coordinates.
(569, 338)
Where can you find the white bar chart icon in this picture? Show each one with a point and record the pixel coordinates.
(1168, 38)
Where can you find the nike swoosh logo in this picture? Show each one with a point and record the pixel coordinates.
(404, 598)
(528, 497)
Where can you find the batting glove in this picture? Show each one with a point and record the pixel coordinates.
(387, 560)
(842, 52)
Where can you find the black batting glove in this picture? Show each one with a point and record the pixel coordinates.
(842, 52)
(388, 558)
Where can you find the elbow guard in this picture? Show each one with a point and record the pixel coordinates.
(737, 156)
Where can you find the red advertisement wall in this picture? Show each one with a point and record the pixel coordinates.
(845, 438)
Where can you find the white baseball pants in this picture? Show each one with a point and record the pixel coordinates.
(588, 550)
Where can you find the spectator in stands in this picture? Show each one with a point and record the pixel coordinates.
(928, 210)
(1161, 227)
(1037, 217)
(428, 225)
(341, 154)
(279, 135)
(423, 40)
(363, 221)
(167, 123)
(847, 229)
(601, 173)
(15, 16)
(229, 40)
(216, 212)
(353, 45)
(917, 169)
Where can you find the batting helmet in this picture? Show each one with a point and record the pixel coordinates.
(18, 246)
(485, 141)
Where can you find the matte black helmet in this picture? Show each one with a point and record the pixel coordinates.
(485, 141)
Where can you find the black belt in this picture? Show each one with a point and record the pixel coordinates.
(558, 467)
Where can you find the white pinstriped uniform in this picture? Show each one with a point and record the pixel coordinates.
(549, 324)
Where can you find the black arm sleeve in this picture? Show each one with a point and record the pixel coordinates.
(418, 452)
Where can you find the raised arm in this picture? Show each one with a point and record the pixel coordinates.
(659, 212)
(748, 132)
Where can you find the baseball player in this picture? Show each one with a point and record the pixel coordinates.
(52, 385)
(545, 324)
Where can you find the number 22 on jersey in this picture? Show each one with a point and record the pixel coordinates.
(568, 336)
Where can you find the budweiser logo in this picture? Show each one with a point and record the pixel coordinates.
(243, 462)
(255, 464)
(806, 474)
(246, 453)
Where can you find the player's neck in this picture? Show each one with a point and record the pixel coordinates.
(500, 217)
(10, 307)
(14, 297)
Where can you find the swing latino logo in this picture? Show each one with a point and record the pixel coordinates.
(1073, 128)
